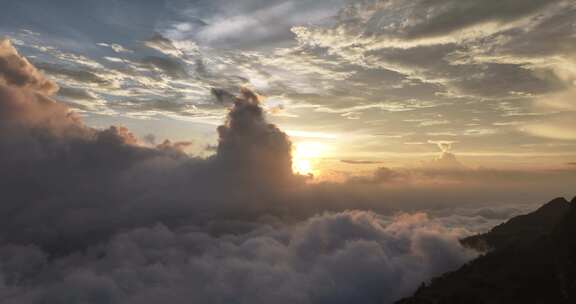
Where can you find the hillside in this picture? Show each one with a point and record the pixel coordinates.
(521, 229)
(533, 261)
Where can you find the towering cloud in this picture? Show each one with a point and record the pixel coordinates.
(251, 147)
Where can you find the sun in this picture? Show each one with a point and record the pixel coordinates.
(305, 156)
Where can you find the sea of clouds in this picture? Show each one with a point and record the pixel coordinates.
(94, 216)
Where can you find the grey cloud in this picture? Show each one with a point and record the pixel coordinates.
(426, 18)
(385, 175)
(359, 162)
(83, 75)
(171, 67)
(173, 104)
(406, 21)
(432, 63)
(115, 47)
(223, 96)
(462, 52)
(163, 45)
(250, 144)
(448, 170)
(75, 93)
(367, 258)
(252, 24)
(553, 29)
(447, 16)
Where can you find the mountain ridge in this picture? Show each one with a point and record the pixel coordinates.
(538, 268)
(521, 228)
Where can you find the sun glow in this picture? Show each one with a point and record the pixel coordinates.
(305, 156)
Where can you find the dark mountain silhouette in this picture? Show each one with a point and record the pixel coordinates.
(521, 229)
(532, 260)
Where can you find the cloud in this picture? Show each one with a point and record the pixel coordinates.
(250, 24)
(433, 42)
(559, 126)
(50, 154)
(480, 59)
(76, 94)
(424, 21)
(250, 144)
(444, 180)
(562, 101)
(359, 162)
(16, 71)
(163, 45)
(447, 171)
(80, 75)
(366, 257)
(116, 47)
(223, 96)
(446, 160)
(170, 67)
(448, 16)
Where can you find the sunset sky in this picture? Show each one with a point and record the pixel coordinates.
(364, 83)
(279, 151)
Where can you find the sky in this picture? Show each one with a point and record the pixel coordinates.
(362, 81)
(272, 151)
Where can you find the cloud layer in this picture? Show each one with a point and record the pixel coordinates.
(332, 258)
